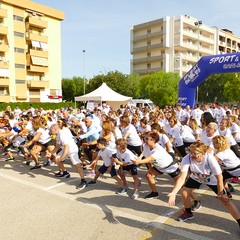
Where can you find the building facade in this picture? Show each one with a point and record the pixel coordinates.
(175, 44)
(30, 52)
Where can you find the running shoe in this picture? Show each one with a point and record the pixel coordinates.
(196, 205)
(65, 174)
(185, 216)
(35, 167)
(90, 173)
(82, 184)
(92, 182)
(152, 195)
(135, 195)
(235, 180)
(59, 174)
(121, 191)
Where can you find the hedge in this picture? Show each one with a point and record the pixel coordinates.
(37, 105)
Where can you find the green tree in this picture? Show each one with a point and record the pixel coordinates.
(79, 84)
(68, 89)
(232, 88)
(211, 90)
(160, 87)
(124, 84)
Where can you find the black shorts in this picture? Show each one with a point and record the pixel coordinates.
(135, 149)
(132, 168)
(49, 143)
(172, 175)
(104, 168)
(191, 183)
(227, 174)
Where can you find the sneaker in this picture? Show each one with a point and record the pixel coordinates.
(90, 173)
(82, 184)
(121, 191)
(196, 205)
(92, 182)
(47, 164)
(235, 180)
(35, 167)
(185, 216)
(65, 175)
(231, 188)
(152, 195)
(135, 195)
(59, 174)
(9, 159)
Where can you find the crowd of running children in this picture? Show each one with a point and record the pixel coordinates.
(193, 146)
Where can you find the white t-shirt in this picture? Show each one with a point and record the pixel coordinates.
(175, 133)
(163, 139)
(205, 171)
(235, 129)
(65, 137)
(227, 133)
(106, 155)
(133, 139)
(229, 160)
(127, 156)
(196, 114)
(162, 160)
(44, 137)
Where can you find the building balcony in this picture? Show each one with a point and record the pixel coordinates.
(6, 98)
(3, 13)
(37, 84)
(147, 47)
(3, 47)
(37, 69)
(37, 22)
(147, 36)
(3, 30)
(38, 53)
(147, 70)
(4, 82)
(4, 64)
(36, 37)
(148, 59)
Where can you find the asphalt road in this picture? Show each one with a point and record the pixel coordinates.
(37, 205)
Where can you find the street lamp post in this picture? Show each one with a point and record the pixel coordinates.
(198, 24)
(84, 86)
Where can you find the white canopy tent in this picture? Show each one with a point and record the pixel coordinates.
(105, 94)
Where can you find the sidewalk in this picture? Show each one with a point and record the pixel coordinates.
(37, 205)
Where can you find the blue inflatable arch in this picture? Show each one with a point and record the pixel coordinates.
(224, 63)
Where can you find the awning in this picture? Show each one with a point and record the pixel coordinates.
(36, 44)
(44, 46)
(4, 72)
(39, 61)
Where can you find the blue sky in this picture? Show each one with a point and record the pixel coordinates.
(102, 28)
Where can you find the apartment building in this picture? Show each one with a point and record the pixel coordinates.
(30, 52)
(175, 44)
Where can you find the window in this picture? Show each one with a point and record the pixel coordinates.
(19, 50)
(148, 42)
(22, 82)
(149, 65)
(149, 54)
(20, 66)
(149, 31)
(19, 34)
(18, 18)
